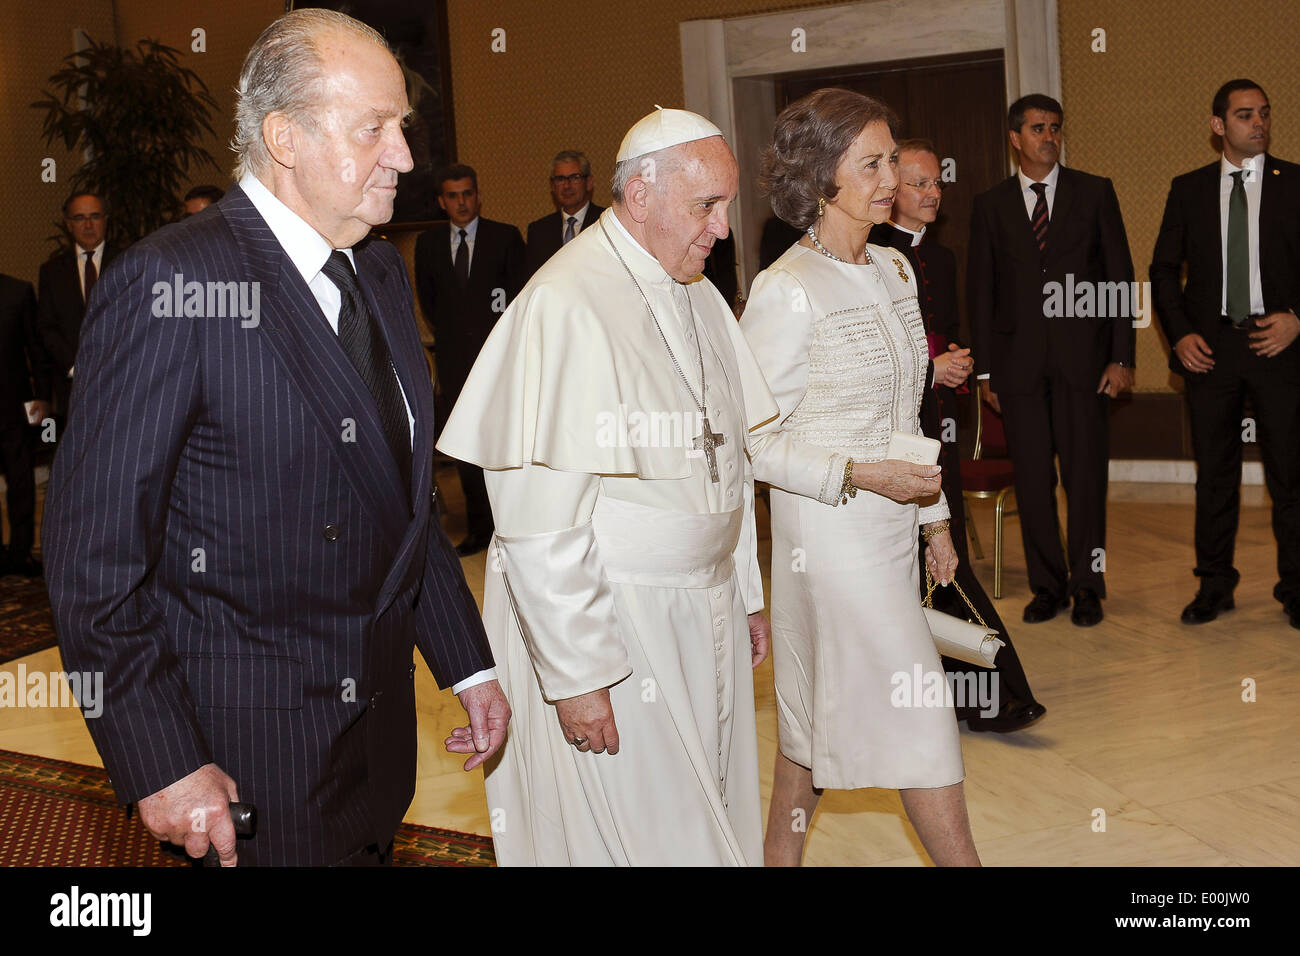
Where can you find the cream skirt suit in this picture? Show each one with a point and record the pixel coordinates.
(843, 348)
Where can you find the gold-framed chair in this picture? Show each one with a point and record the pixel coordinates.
(983, 477)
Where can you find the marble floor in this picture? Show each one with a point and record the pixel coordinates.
(1150, 753)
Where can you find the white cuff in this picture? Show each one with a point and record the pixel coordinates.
(935, 512)
(482, 677)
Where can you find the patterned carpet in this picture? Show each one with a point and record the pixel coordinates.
(25, 622)
(56, 813)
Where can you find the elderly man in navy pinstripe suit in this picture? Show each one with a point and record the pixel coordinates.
(242, 535)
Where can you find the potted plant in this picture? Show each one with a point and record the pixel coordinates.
(139, 116)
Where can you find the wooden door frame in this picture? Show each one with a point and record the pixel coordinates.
(730, 67)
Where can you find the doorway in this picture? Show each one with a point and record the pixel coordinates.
(958, 102)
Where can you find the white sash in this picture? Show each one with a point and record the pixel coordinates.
(668, 549)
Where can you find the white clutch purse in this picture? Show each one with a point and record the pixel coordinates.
(914, 448)
(973, 643)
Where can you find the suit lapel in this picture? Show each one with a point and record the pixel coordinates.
(383, 290)
(1060, 218)
(71, 269)
(1207, 199)
(298, 334)
(1019, 228)
(1270, 198)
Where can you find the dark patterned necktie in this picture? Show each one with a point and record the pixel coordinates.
(461, 265)
(363, 341)
(1238, 252)
(1039, 217)
(91, 275)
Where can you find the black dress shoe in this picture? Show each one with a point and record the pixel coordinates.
(1014, 715)
(28, 567)
(1292, 610)
(474, 544)
(1087, 608)
(1043, 607)
(1205, 607)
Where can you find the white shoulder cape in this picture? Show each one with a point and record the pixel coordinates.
(575, 346)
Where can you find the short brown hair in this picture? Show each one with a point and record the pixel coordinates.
(811, 136)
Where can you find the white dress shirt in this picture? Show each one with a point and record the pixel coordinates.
(97, 256)
(1031, 197)
(471, 233)
(308, 251)
(580, 215)
(1253, 169)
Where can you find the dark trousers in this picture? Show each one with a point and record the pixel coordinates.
(478, 510)
(369, 856)
(1013, 684)
(1215, 400)
(17, 462)
(1072, 425)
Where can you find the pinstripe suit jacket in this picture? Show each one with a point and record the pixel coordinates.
(237, 560)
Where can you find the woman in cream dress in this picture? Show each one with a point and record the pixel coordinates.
(837, 331)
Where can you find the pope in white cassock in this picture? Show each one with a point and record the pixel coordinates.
(611, 407)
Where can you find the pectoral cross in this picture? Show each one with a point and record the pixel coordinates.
(707, 441)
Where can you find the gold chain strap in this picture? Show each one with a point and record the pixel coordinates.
(929, 595)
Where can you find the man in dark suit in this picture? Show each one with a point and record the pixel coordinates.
(916, 207)
(466, 272)
(24, 401)
(1236, 225)
(243, 537)
(571, 188)
(200, 198)
(65, 282)
(1053, 364)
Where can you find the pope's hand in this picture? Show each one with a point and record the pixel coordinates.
(760, 638)
(901, 481)
(489, 715)
(193, 812)
(588, 722)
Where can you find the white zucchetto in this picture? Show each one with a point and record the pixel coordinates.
(662, 129)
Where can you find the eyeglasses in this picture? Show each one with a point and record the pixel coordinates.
(926, 184)
(573, 178)
(79, 218)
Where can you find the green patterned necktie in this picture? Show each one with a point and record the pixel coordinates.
(1238, 253)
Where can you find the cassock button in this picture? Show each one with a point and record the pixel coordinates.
(331, 532)
(374, 701)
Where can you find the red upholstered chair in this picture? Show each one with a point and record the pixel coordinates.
(985, 477)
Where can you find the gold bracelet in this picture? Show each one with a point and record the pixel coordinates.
(936, 528)
(847, 488)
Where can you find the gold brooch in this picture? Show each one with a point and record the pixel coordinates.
(902, 272)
